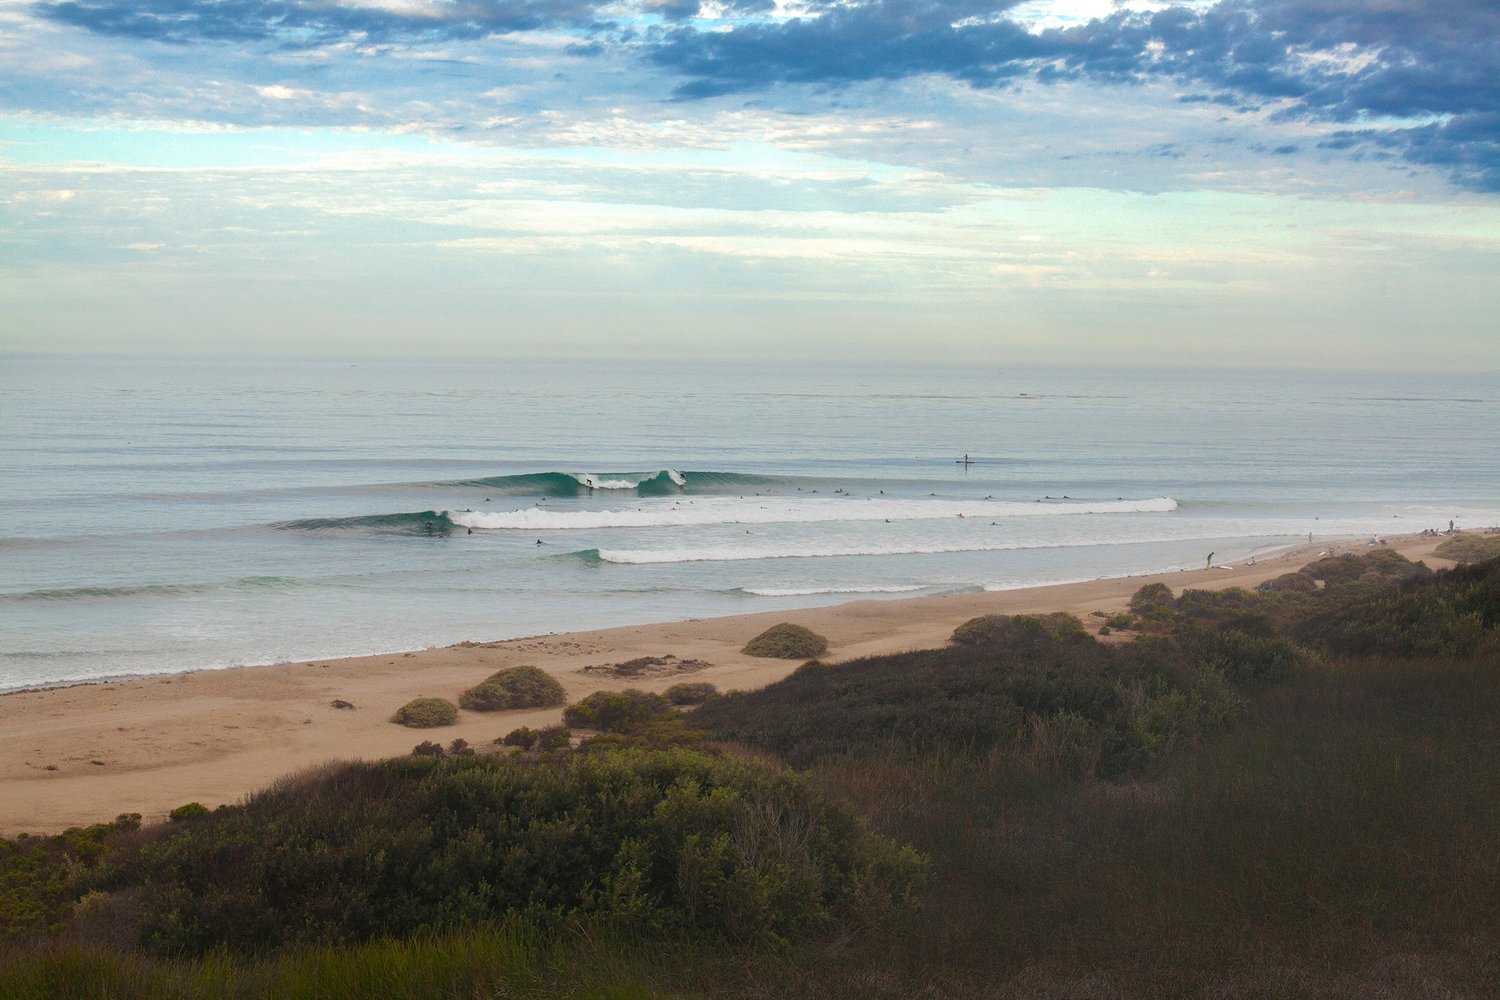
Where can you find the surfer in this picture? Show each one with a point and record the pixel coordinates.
(1210, 564)
(539, 541)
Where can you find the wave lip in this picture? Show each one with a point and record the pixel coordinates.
(560, 485)
(782, 510)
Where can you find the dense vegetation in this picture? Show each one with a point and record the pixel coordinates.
(1282, 792)
(662, 841)
(1469, 548)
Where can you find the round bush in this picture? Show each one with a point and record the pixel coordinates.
(787, 642)
(514, 687)
(984, 630)
(690, 693)
(426, 713)
(616, 711)
(524, 737)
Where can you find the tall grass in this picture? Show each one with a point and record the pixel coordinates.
(506, 961)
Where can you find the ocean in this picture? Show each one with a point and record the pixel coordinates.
(158, 516)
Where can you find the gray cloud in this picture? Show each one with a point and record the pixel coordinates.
(1415, 80)
(1432, 68)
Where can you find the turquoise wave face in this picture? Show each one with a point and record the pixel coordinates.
(422, 522)
(663, 482)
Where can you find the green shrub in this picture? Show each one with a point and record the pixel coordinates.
(691, 693)
(984, 630)
(427, 748)
(460, 748)
(1452, 613)
(514, 687)
(786, 642)
(187, 811)
(1153, 597)
(1216, 605)
(653, 842)
(616, 711)
(1290, 583)
(1123, 620)
(524, 737)
(1469, 548)
(553, 737)
(990, 630)
(41, 878)
(426, 713)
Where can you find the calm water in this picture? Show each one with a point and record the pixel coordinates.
(164, 516)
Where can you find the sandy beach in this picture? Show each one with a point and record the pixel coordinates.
(83, 754)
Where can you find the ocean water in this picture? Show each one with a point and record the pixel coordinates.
(161, 516)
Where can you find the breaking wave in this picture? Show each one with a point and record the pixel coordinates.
(662, 482)
(772, 510)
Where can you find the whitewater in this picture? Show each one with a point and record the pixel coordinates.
(169, 515)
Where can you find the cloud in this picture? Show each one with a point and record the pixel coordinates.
(1419, 77)
(1413, 82)
(307, 23)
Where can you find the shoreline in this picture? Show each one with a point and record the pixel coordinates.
(86, 751)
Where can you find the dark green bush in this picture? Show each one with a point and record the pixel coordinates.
(1151, 597)
(1451, 613)
(691, 693)
(512, 688)
(983, 631)
(426, 713)
(1295, 583)
(553, 737)
(786, 642)
(1469, 548)
(524, 737)
(41, 878)
(427, 748)
(616, 711)
(187, 811)
(653, 841)
(988, 630)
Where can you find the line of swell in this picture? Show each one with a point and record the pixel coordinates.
(150, 589)
(412, 522)
(767, 510)
(811, 591)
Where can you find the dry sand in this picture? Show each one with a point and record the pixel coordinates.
(84, 754)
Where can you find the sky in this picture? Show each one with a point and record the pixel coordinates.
(1261, 183)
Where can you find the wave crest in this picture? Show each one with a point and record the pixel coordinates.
(778, 510)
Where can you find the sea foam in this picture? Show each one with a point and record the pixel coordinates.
(769, 510)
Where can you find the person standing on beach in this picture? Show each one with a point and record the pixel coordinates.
(1210, 563)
